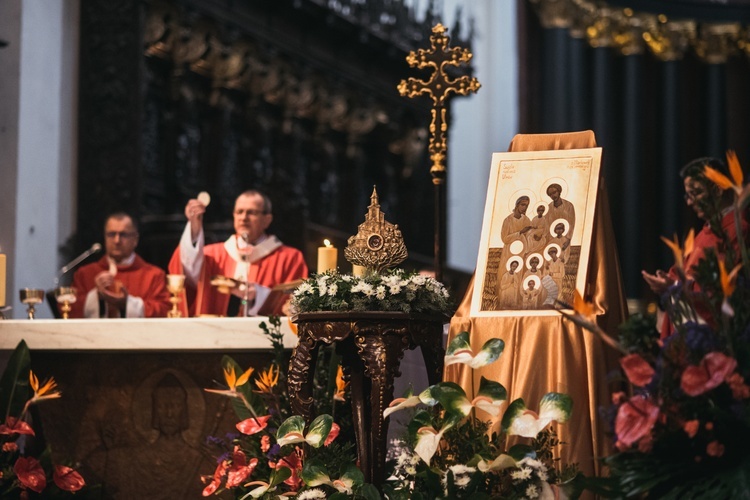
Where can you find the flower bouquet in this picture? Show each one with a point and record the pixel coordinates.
(394, 290)
(274, 454)
(24, 473)
(449, 453)
(683, 430)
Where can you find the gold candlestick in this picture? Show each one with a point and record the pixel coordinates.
(175, 286)
(31, 297)
(65, 295)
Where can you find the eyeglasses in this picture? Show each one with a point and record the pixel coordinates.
(111, 235)
(250, 212)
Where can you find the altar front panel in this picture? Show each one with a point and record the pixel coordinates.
(133, 410)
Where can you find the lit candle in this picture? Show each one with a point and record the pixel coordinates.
(358, 270)
(2, 280)
(327, 256)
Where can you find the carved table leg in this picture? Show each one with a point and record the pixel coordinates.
(301, 373)
(381, 353)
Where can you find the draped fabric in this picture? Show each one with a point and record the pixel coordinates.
(549, 354)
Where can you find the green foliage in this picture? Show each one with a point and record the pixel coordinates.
(14, 384)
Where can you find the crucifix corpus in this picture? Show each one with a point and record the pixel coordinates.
(439, 87)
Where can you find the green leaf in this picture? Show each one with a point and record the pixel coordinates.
(515, 409)
(314, 474)
(459, 342)
(368, 492)
(14, 384)
(353, 474)
(421, 419)
(556, 406)
(279, 476)
(291, 431)
(521, 451)
(490, 352)
(490, 396)
(319, 430)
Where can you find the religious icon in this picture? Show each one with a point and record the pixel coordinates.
(536, 233)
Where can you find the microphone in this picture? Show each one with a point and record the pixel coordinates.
(245, 236)
(96, 247)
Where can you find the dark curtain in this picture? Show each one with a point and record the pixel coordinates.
(650, 117)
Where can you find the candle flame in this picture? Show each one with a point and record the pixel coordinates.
(327, 243)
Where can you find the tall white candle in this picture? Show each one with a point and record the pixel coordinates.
(327, 257)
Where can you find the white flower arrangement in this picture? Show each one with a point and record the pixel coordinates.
(392, 291)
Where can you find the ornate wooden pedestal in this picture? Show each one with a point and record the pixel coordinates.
(371, 345)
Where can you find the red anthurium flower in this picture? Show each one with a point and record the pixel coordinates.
(638, 371)
(713, 370)
(253, 425)
(635, 419)
(219, 473)
(30, 473)
(240, 468)
(67, 479)
(293, 462)
(335, 429)
(14, 426)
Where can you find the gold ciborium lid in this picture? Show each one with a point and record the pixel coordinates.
(378, 244)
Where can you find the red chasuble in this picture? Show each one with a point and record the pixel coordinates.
(280, 266)
(141, 279)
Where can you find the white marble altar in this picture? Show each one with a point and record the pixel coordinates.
(149, 334)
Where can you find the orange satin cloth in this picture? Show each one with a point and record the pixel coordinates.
(548, 353)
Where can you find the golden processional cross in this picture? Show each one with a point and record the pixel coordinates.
(439, 87)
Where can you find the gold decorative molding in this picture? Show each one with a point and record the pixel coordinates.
(631, 32)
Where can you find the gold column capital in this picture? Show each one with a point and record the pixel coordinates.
(628, 32)
(669, 40)
(717, 41)
(554, 13)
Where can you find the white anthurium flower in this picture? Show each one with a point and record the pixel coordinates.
(291, 431)
(490, 397)
(428, 440)
(349, 479)
(460, 351)
(520, 421)
(501, 462)
(410, 401)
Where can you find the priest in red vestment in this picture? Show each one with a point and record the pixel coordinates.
(251, 256)
(704, 197)
(121, 284)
